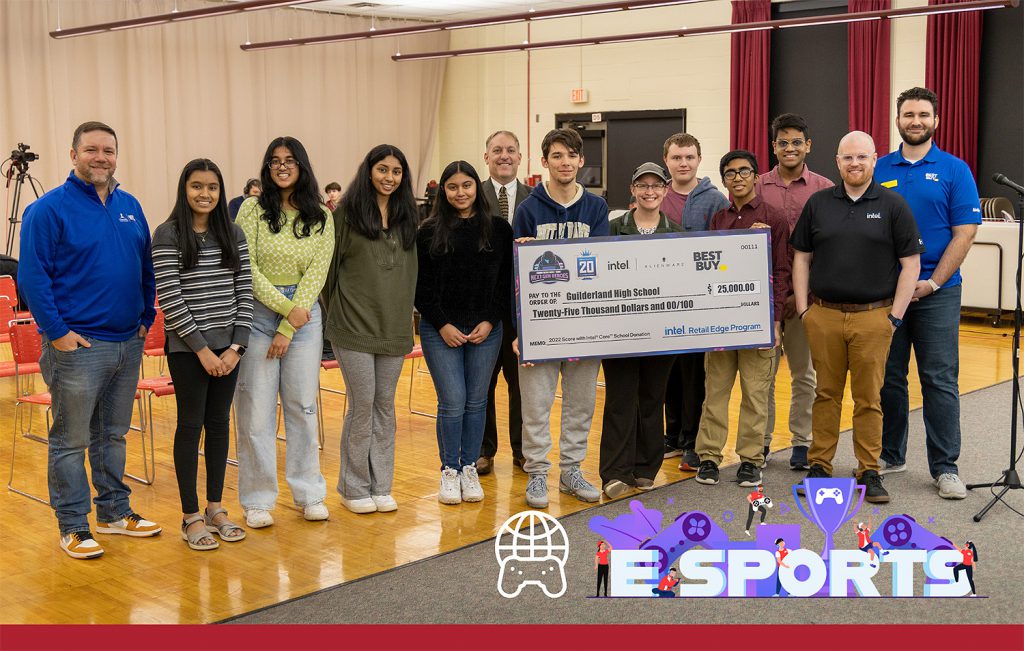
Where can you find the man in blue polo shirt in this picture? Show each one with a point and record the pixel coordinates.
(87, 272)
(943, 196)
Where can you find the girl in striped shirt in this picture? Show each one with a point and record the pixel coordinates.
(204, 285)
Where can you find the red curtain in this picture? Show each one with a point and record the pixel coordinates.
(952, 60)
(751, 56)
(869, 73)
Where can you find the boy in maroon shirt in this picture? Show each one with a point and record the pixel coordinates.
(756, 367)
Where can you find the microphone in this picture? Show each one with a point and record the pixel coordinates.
(1002, 180)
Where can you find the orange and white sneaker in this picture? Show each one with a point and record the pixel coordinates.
(80, 544)
(132, 524)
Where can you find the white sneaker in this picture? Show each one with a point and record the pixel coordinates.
(363, 505)
(258, 518)
(315, 512)
(80, 544)
(469, 481)
(950, 487)
(890, 468)
(450, 491)
(384, 503)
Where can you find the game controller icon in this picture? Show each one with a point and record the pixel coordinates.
(689, 530)
(531, 547)
(834, 494)
(516, 574)
(903, 532)
(766, 502)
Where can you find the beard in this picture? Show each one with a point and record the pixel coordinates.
(924, 137)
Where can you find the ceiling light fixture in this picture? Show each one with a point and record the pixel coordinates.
(906, 12)
(175, 17)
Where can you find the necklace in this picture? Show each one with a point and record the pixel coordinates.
(202, 236)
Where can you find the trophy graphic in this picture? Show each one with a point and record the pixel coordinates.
(830, 503)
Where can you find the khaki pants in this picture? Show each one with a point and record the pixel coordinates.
(801, 371)
(857, 342)
(756, 368)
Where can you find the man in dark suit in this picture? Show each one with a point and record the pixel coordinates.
(504, 193)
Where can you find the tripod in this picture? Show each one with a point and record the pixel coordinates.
(1010, 479)
(17, 173)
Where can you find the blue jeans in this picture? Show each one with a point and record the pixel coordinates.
(93, 392)
(461, 377)
(296, 378)
(932, 327)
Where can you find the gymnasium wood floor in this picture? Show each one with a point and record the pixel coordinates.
(159, 580)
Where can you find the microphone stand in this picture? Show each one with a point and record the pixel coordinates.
(1010, 479)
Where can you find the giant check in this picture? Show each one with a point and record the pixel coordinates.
(648, 295)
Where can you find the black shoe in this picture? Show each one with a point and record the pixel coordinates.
(518, 460)
(816, 472)
(708, 473)
(672, 452)
(748, 475)
(798, 460)
(690, 461)
(873, 490)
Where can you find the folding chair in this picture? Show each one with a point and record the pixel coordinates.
(9, 288)
(416, 355)
(26, 345)
(328, 365)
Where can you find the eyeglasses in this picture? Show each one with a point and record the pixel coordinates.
(847, 159)
(644, 187)
(288, 163)
(796, 142)
(744, 173)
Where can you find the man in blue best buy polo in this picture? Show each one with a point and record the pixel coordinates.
(87, 273)
(943, 196)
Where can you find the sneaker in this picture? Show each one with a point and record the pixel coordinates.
(80, 544)
(450, 491)
(644, 484)
(816, 472)
(573, 483)
(537, 491)
(472, 491)
(615, 488)
(315, 512)
(748, 475)
(132, 524)
(890, 468)
(873, 490)
(384, 503)
(708, 473)
(747, 531)
(484, 465)
(764, 461)
(690, 461)
(950, 486)
(672, 452)
(798, 459)
(258, 518)
(361, 505)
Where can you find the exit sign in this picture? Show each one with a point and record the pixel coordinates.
(579, 96)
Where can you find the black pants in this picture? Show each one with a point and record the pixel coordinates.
(203, 401)
(632, 445)
(970, 575)
(750, 516)
(684, 398)
(602, 577)
(508, 365)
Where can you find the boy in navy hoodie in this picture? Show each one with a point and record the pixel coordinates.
(559, 209)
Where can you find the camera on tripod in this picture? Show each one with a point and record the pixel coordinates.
(21, 156)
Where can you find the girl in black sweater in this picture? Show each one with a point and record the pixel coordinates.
(463, 291)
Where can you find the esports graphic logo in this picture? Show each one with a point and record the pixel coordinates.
(531, 548)
(549, 269)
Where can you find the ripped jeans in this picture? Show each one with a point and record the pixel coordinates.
(296, 378)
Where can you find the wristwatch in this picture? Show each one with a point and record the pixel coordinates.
(896, 323)
(935, 287)
(238, 349)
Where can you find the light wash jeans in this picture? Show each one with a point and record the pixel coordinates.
(93, 392)
(296, 377)
(461, 377)
(368, 436)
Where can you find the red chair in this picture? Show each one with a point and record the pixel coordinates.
(416, 354)
(154, 346)
(26, 345)
(9, 289)
(149, 388)
(23, 367)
